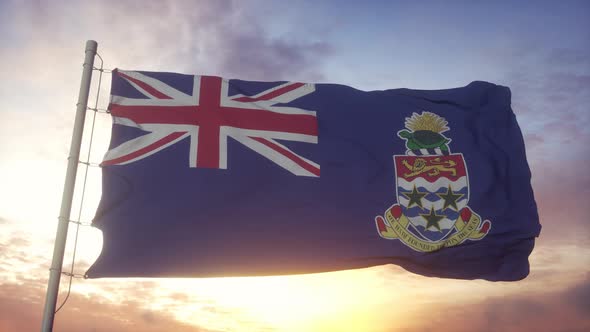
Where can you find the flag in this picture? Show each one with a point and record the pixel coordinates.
(212, 177)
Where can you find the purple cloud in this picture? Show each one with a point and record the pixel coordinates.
(547, 311)
(568, 56)
(259, 58)
(579, 297)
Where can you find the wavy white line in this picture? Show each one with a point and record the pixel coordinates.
(434, 186)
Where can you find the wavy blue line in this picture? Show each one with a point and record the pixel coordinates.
(431, 235)
(441, 190)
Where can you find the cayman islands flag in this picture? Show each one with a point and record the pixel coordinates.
(212, 177)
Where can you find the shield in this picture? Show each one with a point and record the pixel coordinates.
(431, 191)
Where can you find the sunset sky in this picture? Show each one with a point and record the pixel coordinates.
(540, 49)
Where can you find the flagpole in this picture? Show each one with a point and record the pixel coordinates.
(68, 193)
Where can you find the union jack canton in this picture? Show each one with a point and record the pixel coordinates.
(208, 116)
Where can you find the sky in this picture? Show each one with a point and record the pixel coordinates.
(540, 49)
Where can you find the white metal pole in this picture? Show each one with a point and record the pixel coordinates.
(68, 193)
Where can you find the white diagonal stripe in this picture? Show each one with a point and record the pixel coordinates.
(156, 84)
(268, 105)
(125, 101)
(277, 157)
(232, 131)
(138, 144)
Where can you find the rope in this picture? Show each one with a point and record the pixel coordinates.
(98, 110)
(77, 222)
(71, 273)
(89, 164)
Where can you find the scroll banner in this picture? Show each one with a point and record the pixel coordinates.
(467, 226)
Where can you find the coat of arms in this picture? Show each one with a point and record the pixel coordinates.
(432, 186)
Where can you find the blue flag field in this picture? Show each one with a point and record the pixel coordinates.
(209, 177)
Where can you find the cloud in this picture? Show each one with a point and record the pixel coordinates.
(15, 249)
(550, 97)
(533, 140)
(21, 308)
(579, 297)
(568, 56)
(520, 311)
(565, 82)
(219, 37)
(550, 93)
(271, 59)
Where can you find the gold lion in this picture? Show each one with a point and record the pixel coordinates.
(436, 166)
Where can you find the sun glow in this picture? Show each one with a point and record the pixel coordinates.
(335, 301)
(320, 302)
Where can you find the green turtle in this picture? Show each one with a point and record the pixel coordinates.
(425, 133)
(424, 139)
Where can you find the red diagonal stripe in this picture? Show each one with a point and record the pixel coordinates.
(298, 160)
(151, 90)
(163, 141)
(272, 94)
